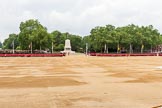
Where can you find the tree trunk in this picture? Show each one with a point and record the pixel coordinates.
(130, 48)
(107, 49)
(142, 47)
(151, 48)
(101, 48)
(40, 48)
(52, 47)
(118, 49)
(87, 49)
(31, 48)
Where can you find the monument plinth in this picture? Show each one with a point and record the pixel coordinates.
(67, 45)
(67, 48)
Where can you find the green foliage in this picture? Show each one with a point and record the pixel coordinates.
(86, 40)
(130, 38)
(33, 31)
(58, 40)
(75, 42)
(0, 44)
(123, 37)
(18, 48)
(8, 43)
(60, 47)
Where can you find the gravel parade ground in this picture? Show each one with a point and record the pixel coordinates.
(79, 81)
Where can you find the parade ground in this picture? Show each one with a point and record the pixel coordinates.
(80, 81)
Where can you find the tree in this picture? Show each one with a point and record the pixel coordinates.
(33, 32)
(0, 44)
(8, 43)
(58, 40)
(94, 39)
(107, 37)
(131, 37)
(101, 39)
(98, 38)
(75, 42)
(86, 40)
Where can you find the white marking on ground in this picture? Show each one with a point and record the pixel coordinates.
(159, 67)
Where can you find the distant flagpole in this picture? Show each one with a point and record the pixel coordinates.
(31, 48)
(52, 47)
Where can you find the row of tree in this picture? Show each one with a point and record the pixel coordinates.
(32, 33)
(128, 38)
(131, 38)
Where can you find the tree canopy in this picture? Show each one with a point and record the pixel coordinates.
(33, 32)
(8, 43)
(131, 38)
(0, 44)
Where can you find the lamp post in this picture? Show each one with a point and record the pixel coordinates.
(86, 48)
(13, 46)
(31, 48)
(52, 47)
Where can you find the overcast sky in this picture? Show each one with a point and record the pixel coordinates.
(78, 16)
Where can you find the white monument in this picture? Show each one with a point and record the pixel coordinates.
(67, 48)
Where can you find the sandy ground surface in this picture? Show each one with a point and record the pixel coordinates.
(81, 82)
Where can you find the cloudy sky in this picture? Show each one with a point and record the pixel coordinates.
(78, 16)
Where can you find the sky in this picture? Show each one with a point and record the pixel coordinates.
(78, 16)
